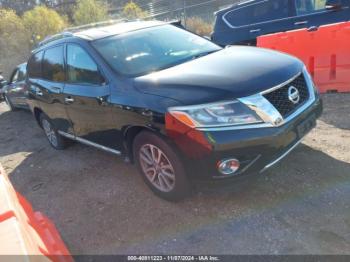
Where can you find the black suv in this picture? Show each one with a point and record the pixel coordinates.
(244, 22)
(179, 106)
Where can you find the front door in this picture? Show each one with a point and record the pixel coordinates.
(87, 96)
(21, 87)
(258, 18)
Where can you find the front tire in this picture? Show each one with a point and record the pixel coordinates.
(160, 167)
(55, 139)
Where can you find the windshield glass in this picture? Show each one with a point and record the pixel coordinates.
(152, 49)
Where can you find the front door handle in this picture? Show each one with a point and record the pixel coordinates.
(301, 23)
(39, 92)
(69, 100)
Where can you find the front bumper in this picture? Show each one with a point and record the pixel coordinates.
(257, 149)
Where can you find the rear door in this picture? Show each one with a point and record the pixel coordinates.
(259, 18)
(313, 13)
(51, 87)
(87, 97)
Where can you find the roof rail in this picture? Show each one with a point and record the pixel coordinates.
(68, 32)
(54, 38)
(94, 25)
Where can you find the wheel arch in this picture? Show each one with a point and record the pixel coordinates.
(37, 112)
(129, 134)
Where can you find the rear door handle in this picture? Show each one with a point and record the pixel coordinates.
(69, 100)
(255, 30)
(301, 23)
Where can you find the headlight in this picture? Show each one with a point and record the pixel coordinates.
(215, 115)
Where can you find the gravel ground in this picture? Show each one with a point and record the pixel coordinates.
(101, 206)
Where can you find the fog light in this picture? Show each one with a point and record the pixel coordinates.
(228, 167)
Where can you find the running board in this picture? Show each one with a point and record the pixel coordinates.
(89, 143)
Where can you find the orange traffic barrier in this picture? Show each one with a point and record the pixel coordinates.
(325, 52)
(25, 232)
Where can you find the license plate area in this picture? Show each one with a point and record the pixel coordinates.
(306, 126)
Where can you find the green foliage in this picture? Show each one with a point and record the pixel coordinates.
(90, 11)
(199, 26)
(14, 41)
(132, 11)
(42, 22)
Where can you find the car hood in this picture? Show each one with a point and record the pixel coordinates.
(230, 73)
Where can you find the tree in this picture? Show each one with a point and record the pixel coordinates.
(14, 42)
(132, 11)
(90, 11)
(42, 22)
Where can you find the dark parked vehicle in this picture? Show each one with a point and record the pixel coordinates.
(16, 91)
(179, 106)
(244, 22)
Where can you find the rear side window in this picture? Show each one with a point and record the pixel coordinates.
(81, 69)
(258, 12)
(53, 64)
(34, 65)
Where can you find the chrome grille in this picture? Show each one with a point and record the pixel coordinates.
(279, 97)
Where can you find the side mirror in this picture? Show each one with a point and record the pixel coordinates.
(334, 5)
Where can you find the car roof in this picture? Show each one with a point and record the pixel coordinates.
(239, 4)
(99, 30)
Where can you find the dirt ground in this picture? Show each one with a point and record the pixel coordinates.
(101, 206)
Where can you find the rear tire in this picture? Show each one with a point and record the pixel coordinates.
(9, 103)
(160, 167)
(57, 141)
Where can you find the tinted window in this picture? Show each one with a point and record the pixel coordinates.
(258, 12)
(309, 6)
(81, 69)
(53, 64)
(34, 65)
(152, 49)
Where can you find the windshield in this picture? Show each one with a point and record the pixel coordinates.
(152, 49)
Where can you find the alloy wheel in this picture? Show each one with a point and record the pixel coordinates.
(50, 133)
(157, 168)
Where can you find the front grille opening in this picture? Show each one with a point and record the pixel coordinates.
(279, 98)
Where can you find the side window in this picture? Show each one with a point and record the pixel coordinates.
(259, 12)
(53, 64)
(81, 69)
(14, 77)
(34, 65)
(22, 73)
(304, 7)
